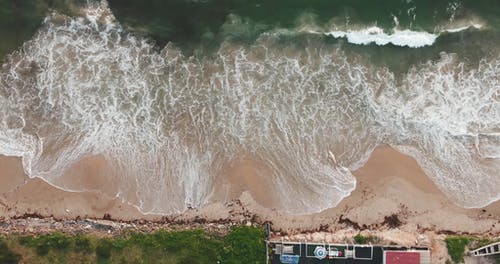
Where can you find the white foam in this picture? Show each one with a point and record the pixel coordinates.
(171, 123)
(83, 86)
(443, 116)
(376, 35)
(459, 27)
(399, 37)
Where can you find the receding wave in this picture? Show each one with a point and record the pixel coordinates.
(172, 124)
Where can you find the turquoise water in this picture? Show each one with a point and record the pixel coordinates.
(175, 93)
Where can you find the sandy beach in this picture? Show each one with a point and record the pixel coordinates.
(389, 185)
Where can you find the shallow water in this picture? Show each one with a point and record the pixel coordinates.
(307, 106)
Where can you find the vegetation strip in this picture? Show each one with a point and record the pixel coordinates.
(242, 244)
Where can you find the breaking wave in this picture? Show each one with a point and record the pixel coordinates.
(403, 38)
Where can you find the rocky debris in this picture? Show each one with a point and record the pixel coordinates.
(238, 214)
(349, 223)
(392, 221)
(33, 223)
(29, 226)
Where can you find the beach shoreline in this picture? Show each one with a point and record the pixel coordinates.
(390, 183)
(393, 200)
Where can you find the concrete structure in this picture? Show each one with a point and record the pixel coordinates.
(490, 249)
(303, 252)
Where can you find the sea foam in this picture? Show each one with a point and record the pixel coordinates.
(172, 124)
(376, 35)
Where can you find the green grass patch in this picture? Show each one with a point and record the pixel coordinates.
(360, 239)
(104, 249)
(241, 245)
(238, 245)
(83, 244)
(456, 247)
(7, 255)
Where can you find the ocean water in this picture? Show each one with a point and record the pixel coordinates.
(174, 93)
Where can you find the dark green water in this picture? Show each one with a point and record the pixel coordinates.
(199, 27)
(195, 21)
(19, 20)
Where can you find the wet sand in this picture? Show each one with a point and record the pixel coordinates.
(389, 184)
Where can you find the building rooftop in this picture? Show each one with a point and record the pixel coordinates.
(303, 252)
(402, 257)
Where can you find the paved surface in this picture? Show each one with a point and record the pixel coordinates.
(306, 254)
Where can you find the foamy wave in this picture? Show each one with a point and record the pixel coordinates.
(443, 115)
(172, 124)
(462, 28)
(486, 145)
(403, 38)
